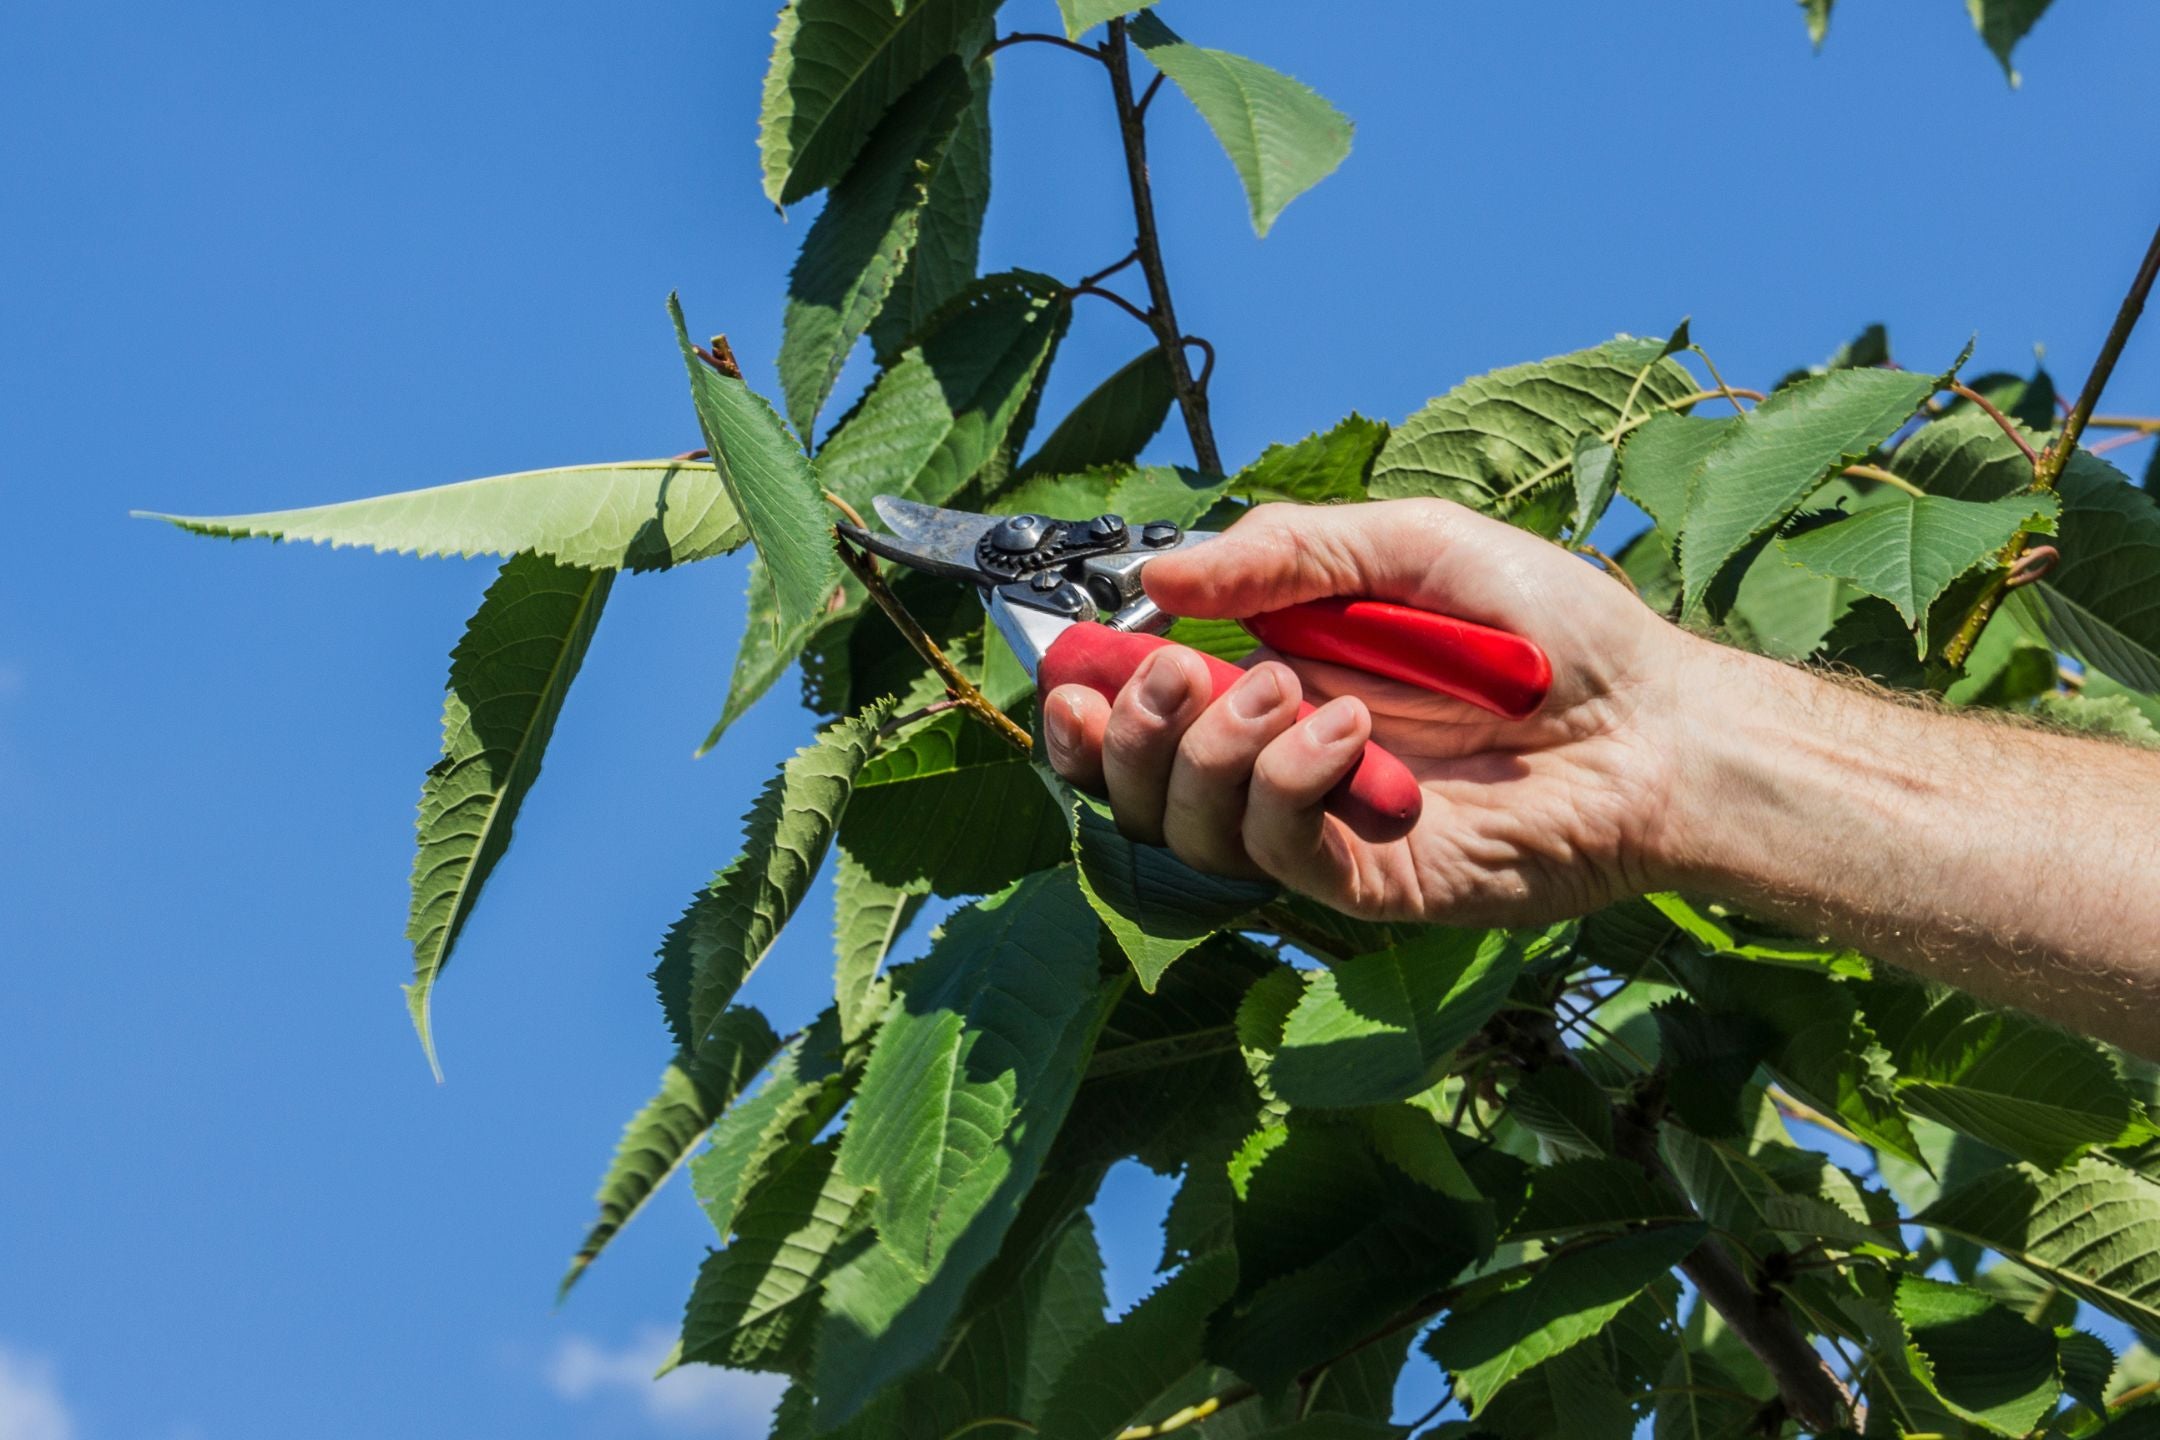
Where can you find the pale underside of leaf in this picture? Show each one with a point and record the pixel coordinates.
(1081, 16)
(1281, 136)
(1908, 549)
(2092, 1228)
(632, 515)
(770, 481)
(508, 677)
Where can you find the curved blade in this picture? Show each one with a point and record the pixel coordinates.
(945, 539)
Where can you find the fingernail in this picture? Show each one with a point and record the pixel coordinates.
(1255, 695)
(1163, 688)
(1062, 726)
(1332, 723)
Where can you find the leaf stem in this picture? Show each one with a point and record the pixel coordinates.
(2143, 424)
(1722, 388)
(1132, 256)
(1877, 473)
(958, 687)
(2126, 318)
(1083, 288)
(2049, 465)
(1027, 37)
(2009, 426)
(1132, 130)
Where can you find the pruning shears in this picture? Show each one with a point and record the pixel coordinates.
(1067, 596)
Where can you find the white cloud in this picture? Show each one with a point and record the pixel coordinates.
(30, 1403)
(697, 1399)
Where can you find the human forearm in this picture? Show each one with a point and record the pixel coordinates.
(2017, 864)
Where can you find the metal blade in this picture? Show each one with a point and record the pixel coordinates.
(945, 537)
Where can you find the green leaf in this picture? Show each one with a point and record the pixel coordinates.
(1329, 466)
(1565, 1301)
(2018, 1084)
(753, 1133)
(1868, 350)
(1699, 1399)
(2097, 602)
(1659, 465)
(1501, 436)
(1725, 935)
(2087, 1366)
(949, 404)
(1574, 1394)
(1908, 549)
(769, 479)
(2093, 1228)
(970, 1080)
(1081, 16)
(1117, 1377)
(755, 1303)
(1987, 1365)
(953, 805)
(948, 234)
(2028, 400)
(2115, 716)
(636, 515)
(1591, 1194)
(1597, 473)
(1761, 469)
(694, 1090)
(1281, 136)
(957, 1065)
(1565, 1108)
(1113, 424)
(837, 66)
(733, 921)
(868, 917)
(1154, 904)
(508, 677)
(2002, 23)
(862, 238)
(1818, 19)
(1012, 1353)
(767, 649)
(1383, 1027)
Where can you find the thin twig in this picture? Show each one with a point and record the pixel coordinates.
(1118, 300)
(1207, 361)
(1612, 568)
(1023, 37)
(2117, 442)
(1131, 256)
(1147, 96)
(2048, 467)
(2009, 426)
(901, 722)
(1876, 472)
(2143, 424)
(1723, 389)
(961, 689)
(1132, 130)
(1796, 1109)
(2126, 318)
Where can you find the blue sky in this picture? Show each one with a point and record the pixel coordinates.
(259, 254)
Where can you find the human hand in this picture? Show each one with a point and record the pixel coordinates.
(1524, 821)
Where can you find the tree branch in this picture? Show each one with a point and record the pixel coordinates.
(1019, 37)
(961, 689)
(1132, 129)
(2048, 468)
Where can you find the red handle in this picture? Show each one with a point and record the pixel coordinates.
(1380, 799)
(1503, 673)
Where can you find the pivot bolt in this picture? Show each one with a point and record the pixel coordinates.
(1018, 534)
(1046, 580)
(1107, 528)
(1160, 534)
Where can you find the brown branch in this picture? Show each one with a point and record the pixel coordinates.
(2126, 318)
(1810, 1390)
(1147, 96)
(1027, 37)
(1132, 130)
(962, 690)
(2048, 467)
(1118, 300)
(2009, 426)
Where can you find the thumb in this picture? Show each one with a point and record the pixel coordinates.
(1429, 553)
